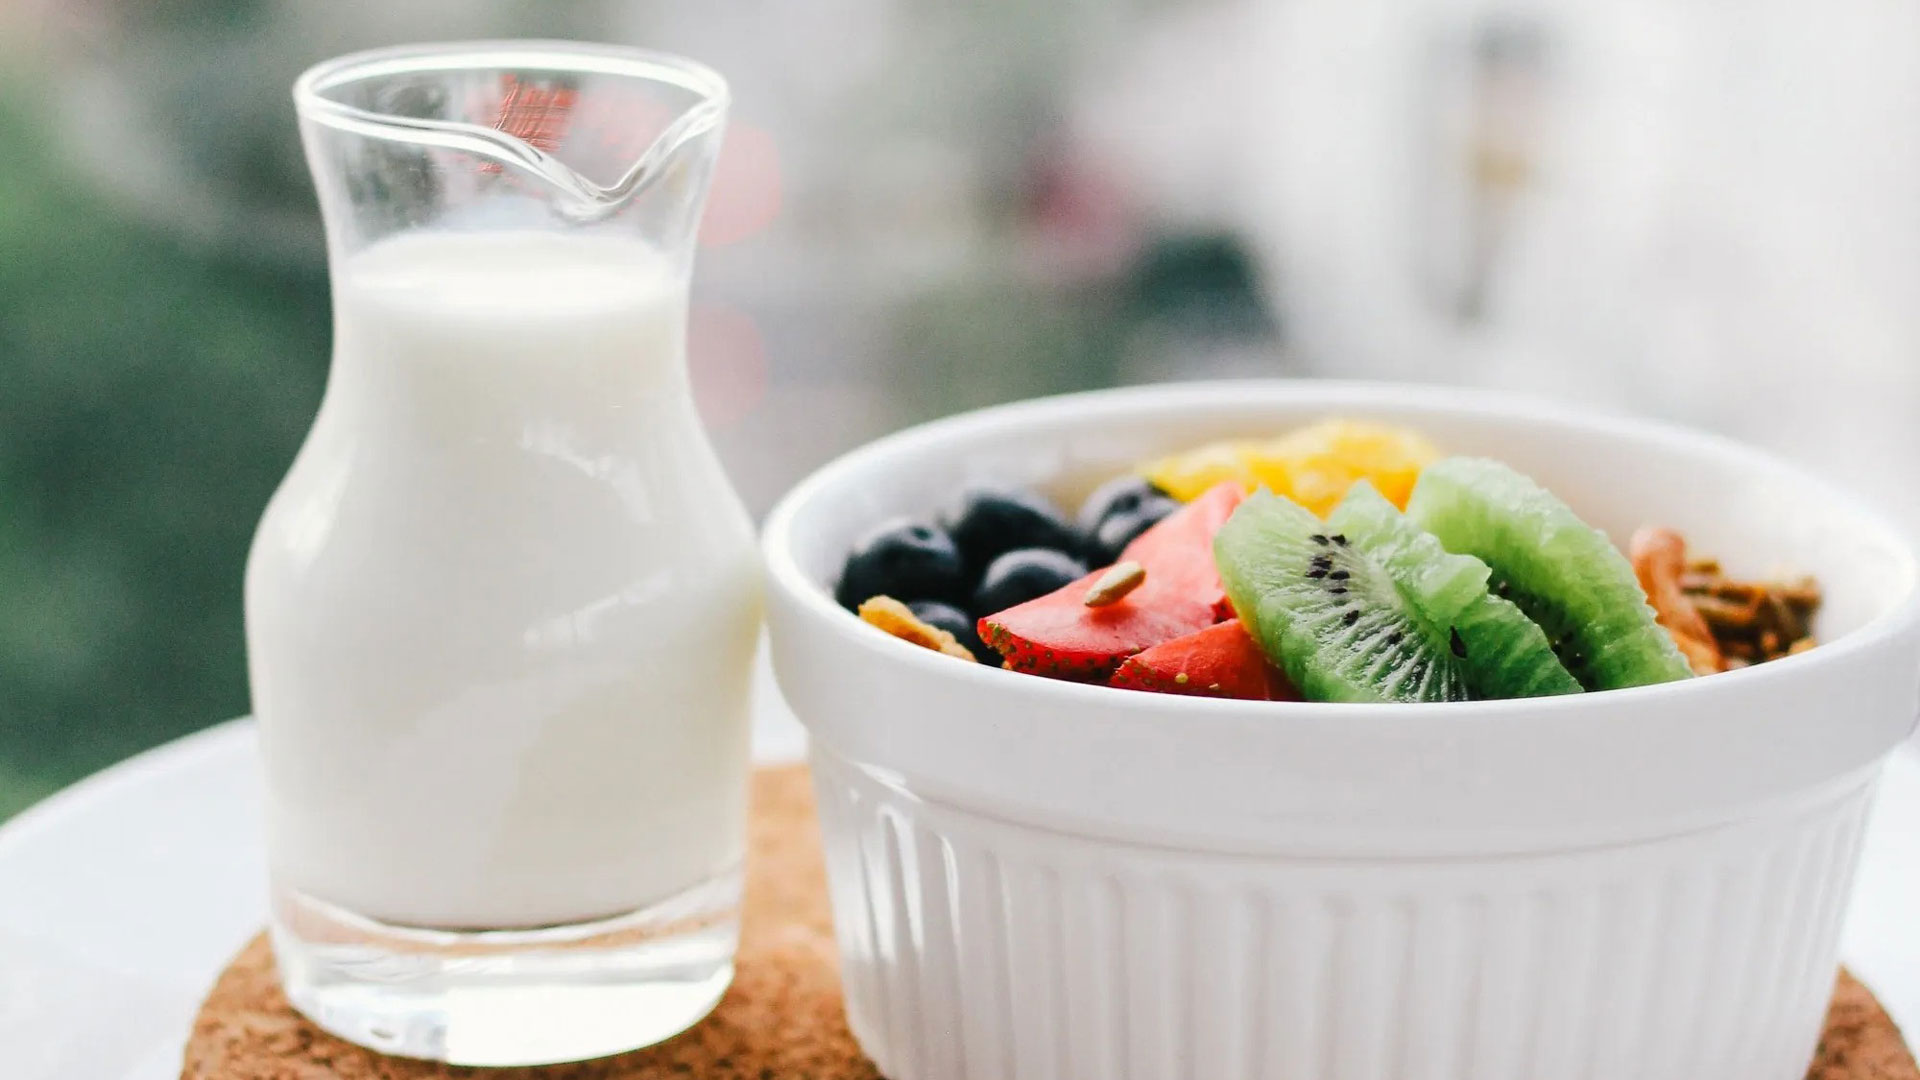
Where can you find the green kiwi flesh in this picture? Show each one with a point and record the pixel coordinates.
(1366, 608)
(1563, 573)
(1503, 653)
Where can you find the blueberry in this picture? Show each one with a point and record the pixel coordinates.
(992, 520)
(907, 560)
(1118, 495)
(956, 622)
(1018, 576)
(1121, 527)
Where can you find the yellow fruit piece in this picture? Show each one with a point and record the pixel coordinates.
(1187, 476)
(1322, 461)
(1314, 466)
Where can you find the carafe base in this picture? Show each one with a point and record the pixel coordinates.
(509, 997)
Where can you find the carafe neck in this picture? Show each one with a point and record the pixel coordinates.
(487, 334)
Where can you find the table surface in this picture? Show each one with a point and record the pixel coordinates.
(122, 897)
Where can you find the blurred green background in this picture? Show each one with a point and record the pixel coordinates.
(154, 393)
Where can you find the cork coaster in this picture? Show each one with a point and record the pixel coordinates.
(781, 1020)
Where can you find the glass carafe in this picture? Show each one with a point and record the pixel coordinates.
(501, 612)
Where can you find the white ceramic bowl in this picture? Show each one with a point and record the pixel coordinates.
(1035, 880)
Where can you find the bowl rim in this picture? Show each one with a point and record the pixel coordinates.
(1900, 617)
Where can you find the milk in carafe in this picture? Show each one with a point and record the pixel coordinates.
(502, 610)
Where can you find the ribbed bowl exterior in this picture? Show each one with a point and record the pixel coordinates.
(978, 949)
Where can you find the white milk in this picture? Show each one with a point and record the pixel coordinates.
(501, 613)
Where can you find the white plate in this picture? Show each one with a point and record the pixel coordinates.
(122, 897)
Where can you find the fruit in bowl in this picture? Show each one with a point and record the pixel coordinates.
(1487, 586)
(1036, 877)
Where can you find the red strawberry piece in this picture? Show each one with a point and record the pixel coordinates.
(1223, 608)
(1220, 661)
(1182, 544)
(1060, 636)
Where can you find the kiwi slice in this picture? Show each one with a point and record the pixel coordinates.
(1503, 653)
(1364, 607)
(1565, 574)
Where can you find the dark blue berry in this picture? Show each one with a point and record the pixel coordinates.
(907, 560)
(1020, 575)
(990, 521)
(1122, 527)
(956, 622)
(1118, 495)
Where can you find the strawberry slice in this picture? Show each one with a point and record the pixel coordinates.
(1220, 661)
(1060, 636)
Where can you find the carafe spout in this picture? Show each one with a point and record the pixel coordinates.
(404, 138)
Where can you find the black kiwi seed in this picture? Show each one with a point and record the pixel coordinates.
(1352, 616)
(1339, 575)
(1395, 638)
(1340, 538)
(1319, 538)
(1457, 643)
(1337, 590)
(1317, 572)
